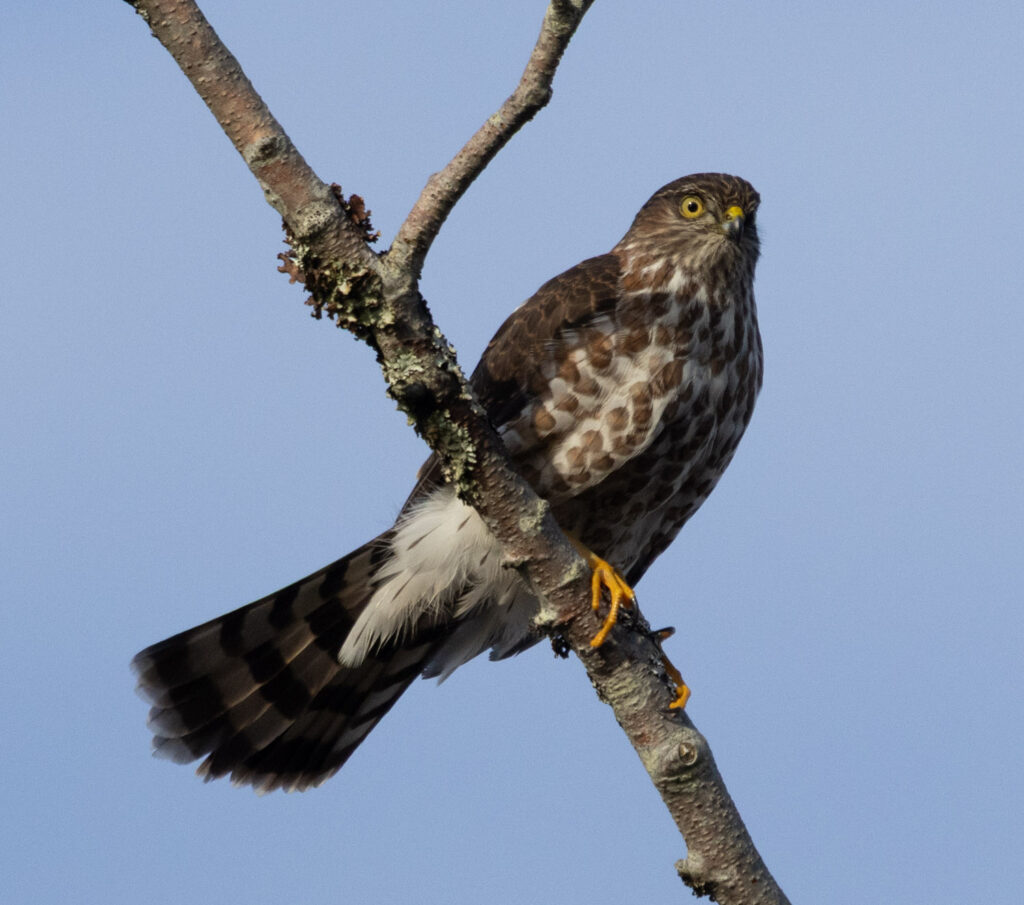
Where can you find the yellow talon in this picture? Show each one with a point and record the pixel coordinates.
(682, 693)
(682, 689)
(605, 575)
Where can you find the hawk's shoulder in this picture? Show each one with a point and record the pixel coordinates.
(502, 380)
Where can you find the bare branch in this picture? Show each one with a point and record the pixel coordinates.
(306, 204)
(378, 299)
(722, 861)
(444, 189)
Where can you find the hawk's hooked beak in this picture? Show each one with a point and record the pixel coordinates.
(732, 223)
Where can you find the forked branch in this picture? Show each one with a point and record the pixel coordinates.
(377, 297)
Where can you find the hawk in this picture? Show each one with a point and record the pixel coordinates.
(621, 389)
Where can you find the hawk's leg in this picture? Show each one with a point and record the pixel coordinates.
(605, 575)
(682, 689)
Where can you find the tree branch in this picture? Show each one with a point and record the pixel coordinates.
(444, 189)
(377, 298)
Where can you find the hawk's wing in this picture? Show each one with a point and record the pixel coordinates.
(509, 374)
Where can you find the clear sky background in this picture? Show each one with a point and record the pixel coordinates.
(179, 437)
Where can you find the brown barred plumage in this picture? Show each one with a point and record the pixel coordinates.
(621, 389)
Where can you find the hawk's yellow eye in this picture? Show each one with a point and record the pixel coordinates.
(692, 207)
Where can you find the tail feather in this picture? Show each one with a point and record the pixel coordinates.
(250, 637)
(260, 692)
(282, 675)
(257, 718)
(339, 718)
(183, 708)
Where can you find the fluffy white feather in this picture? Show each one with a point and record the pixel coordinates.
(444, 562)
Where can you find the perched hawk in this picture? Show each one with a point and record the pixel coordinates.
(620, 389)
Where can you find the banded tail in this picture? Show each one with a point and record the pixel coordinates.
(279, 693)
(260, 691)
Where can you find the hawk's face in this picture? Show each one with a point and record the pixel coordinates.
(703, 223)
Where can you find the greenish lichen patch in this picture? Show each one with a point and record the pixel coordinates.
(532, 521)
(349, 295)
(403, 367)
(453, 444)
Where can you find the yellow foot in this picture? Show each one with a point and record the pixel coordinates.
(605, 575)
(682, 689)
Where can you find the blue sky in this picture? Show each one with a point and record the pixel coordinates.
(178, 437)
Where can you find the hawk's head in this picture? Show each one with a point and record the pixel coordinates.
(698, 222)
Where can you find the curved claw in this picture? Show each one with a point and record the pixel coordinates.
(604, 575)
(621, 594)
(682, 689)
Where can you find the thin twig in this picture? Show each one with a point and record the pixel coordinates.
(378, 298)
(444, 189)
